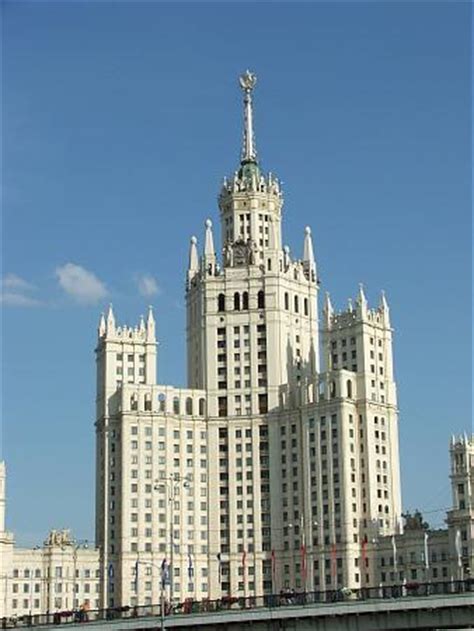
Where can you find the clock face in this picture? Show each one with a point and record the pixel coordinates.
(240, 254)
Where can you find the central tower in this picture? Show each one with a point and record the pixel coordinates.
(252, 313)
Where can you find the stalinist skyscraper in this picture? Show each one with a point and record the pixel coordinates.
(269, 471)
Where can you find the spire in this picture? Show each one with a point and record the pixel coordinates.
(110, 320)
(362, 300)
(209, 242)
(385, 308)
(141, 326)
(150, 325)
(249, 152)
(328, 311)
(308, 253)
(102, 325)
(193, 267)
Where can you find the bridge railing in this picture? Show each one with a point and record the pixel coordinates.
(286, 598)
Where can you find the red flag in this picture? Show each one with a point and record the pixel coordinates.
(333, 560)
(244, 558)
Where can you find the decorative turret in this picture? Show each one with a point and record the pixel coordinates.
(102, 325)
(110, 321)
(361, 301)
(150, 326)
(328, 311)
(309, 263)
(209, 250)
(193, 267)
(209, 259)
(384, 308)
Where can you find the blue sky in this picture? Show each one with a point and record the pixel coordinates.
(120, 121)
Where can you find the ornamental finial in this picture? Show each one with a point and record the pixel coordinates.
(247, 82)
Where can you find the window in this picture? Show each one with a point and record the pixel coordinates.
(245, 300)
(221, 302)
(236, 301)
(261, 300)
(287, 301)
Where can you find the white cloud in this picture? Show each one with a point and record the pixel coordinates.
(148, 286)
(15, 292)
(12, 299)
(12, 282)
(83, 286)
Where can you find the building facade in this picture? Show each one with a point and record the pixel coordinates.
(60, 575)
(269, 471)
(420, 554)
(278, 466)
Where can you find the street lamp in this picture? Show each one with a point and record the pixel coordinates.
(172, 483)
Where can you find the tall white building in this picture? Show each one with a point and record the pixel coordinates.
(269, 471)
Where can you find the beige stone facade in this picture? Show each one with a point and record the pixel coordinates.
(288, 468)
(60, 575)
(278, 466)
(418, 554)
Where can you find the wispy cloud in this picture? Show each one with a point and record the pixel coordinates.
(16, 292)
(11, 299)
(148, 286)
(12, 282)
(83, 286)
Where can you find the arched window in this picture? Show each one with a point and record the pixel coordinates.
(237, 301)
(221, 302)
(189, 406)
(297, 304)
(162, 402)
(176, 405)
(349, 389)
(332, 390)
(202, 407)
(134, 402)
(245, 300)
(261, 299)
(306, 310)
(287, 301)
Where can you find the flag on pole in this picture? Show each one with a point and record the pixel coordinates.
(136, 576)
(164, 573)
(244, 560)
(111, 571)
(273, 567)
(190, 566)
(219, 566)
(457, 543)
(394, 552)
(426, 551)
